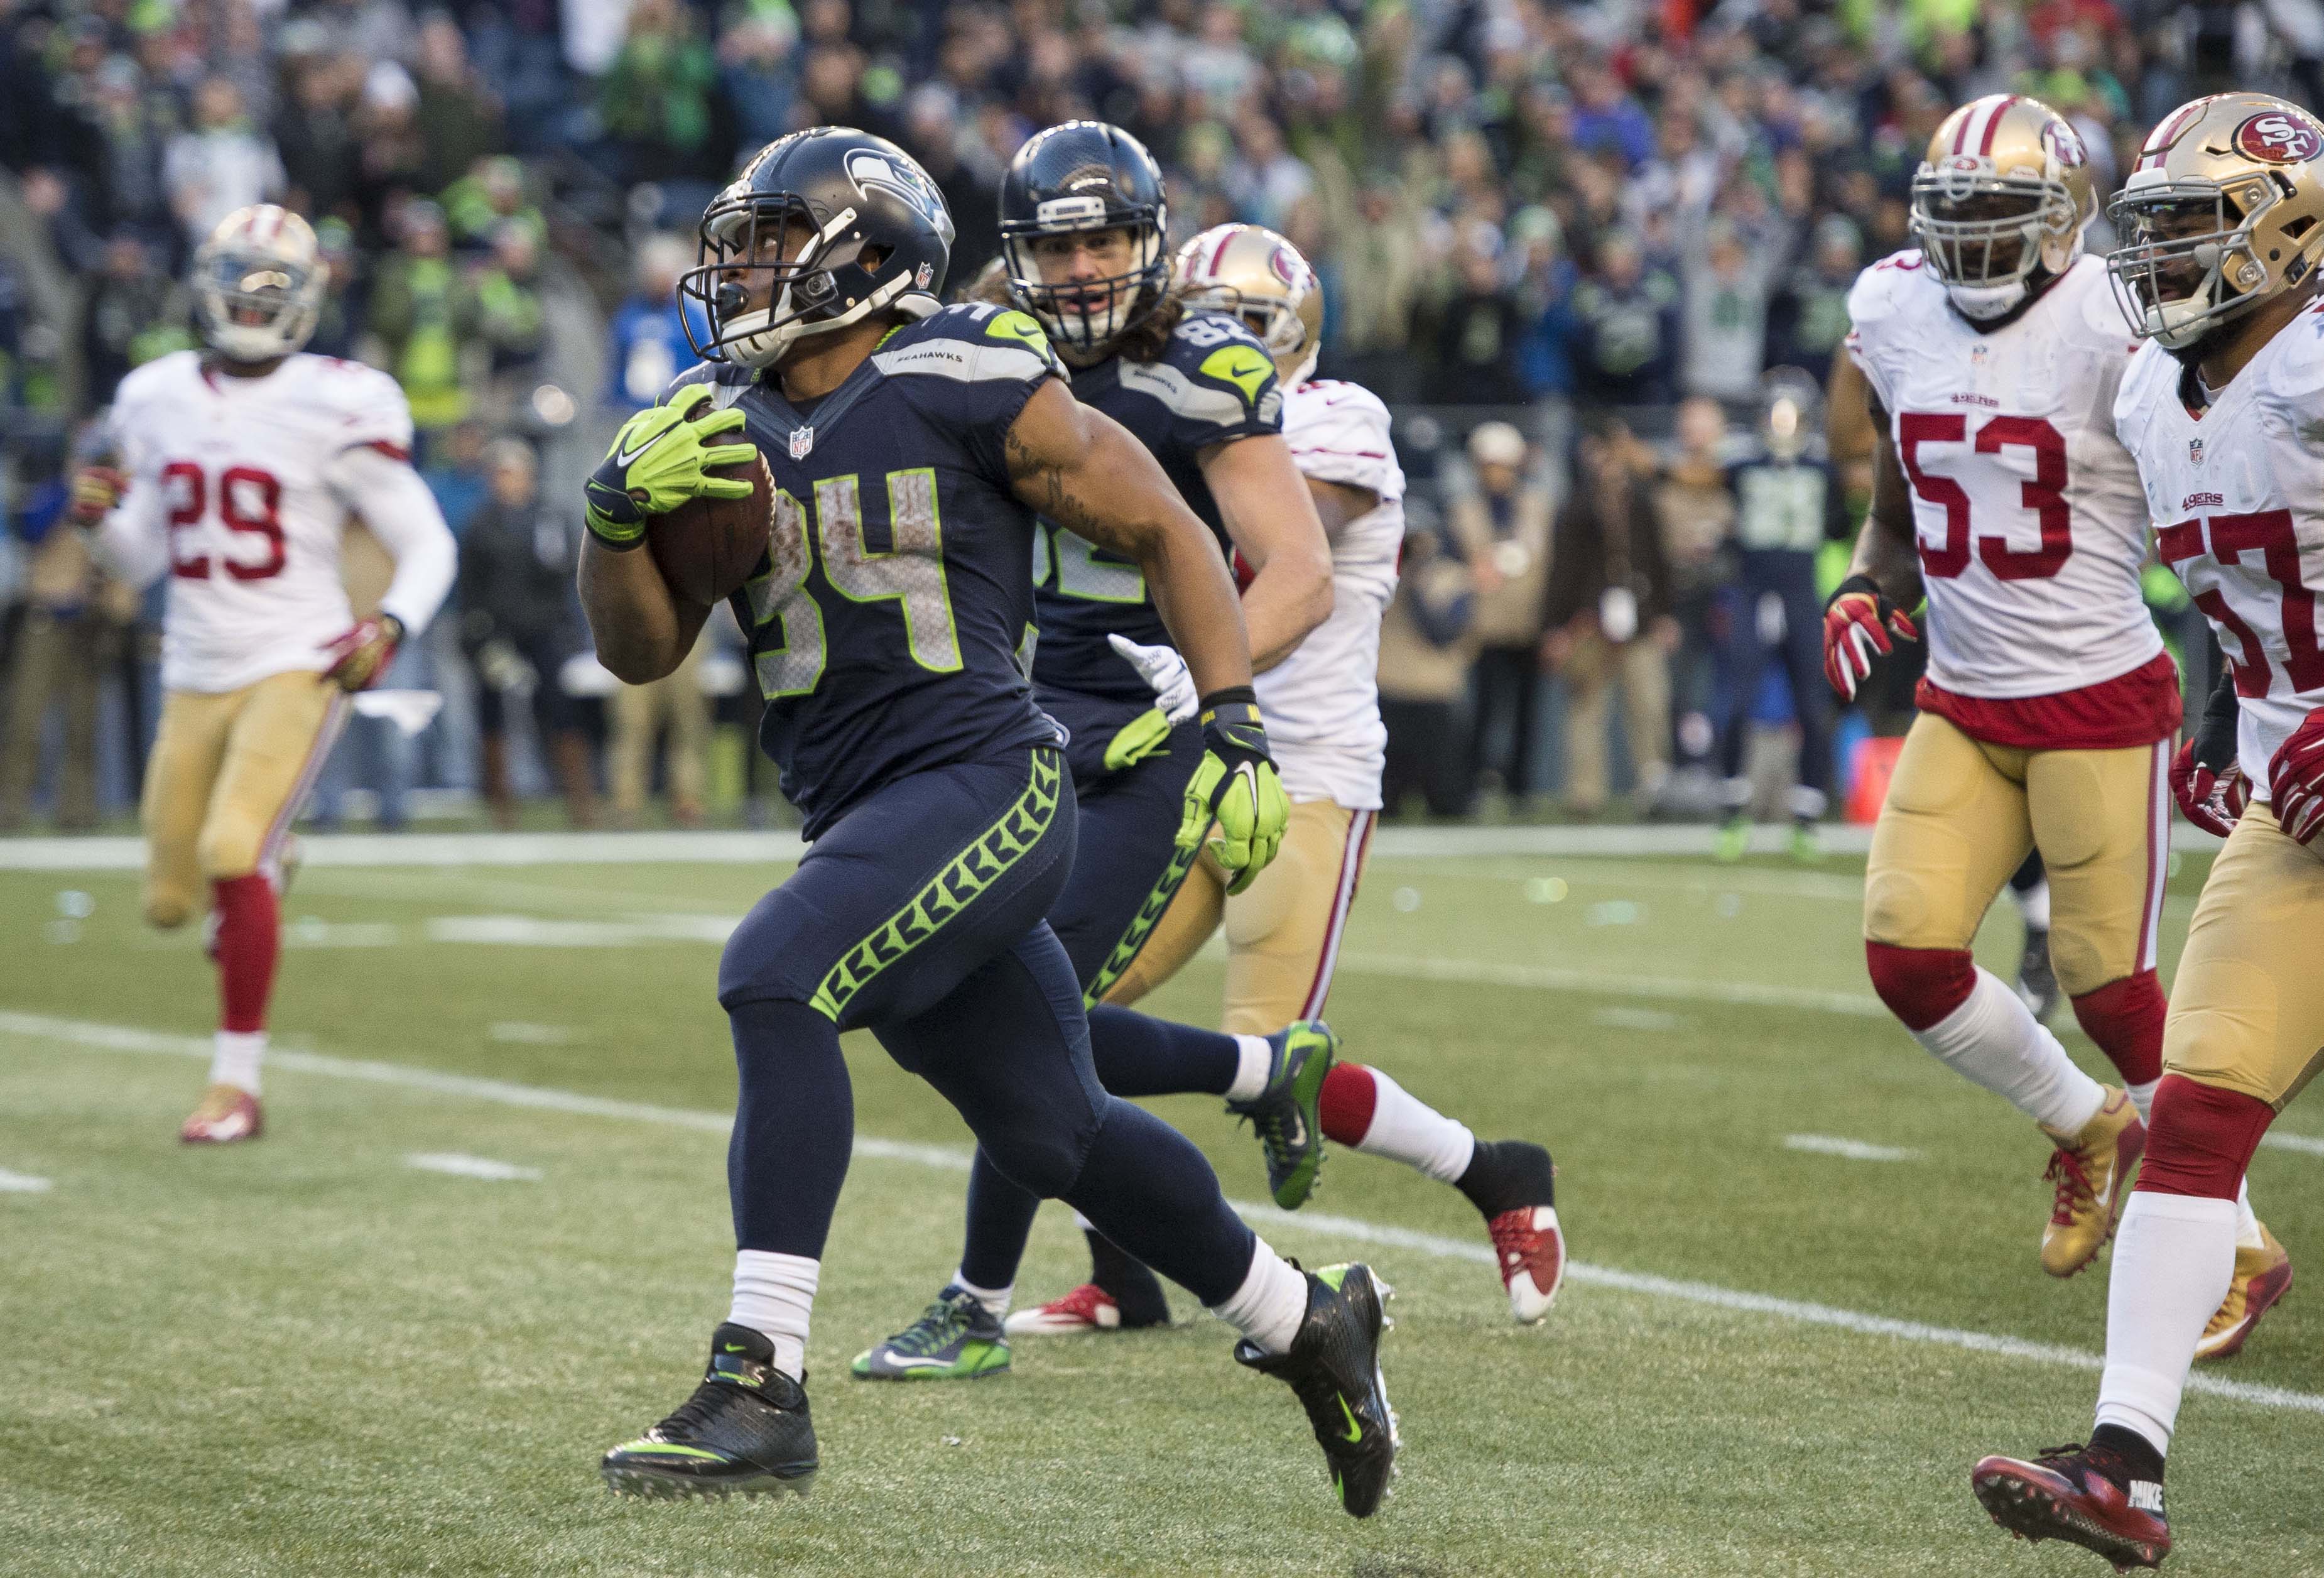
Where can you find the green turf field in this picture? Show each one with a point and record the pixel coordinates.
(309, 1356)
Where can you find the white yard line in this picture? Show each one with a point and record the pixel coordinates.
(460, 1165)
(129, 1039)
(22, 1184)
(518, 1033)
(1849, 1149)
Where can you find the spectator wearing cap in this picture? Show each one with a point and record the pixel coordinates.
(220, 165)
(1610, 621)
(1501, 522)
(649, 345)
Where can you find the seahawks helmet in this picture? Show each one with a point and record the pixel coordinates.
(1082, 176)
(879, 239)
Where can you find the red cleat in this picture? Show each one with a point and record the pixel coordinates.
(1531, 1248)
(2084, 1495)
(228, 1114)
(1087, 1308)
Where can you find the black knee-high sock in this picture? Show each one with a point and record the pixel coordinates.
(794, 1127)
(1135, 1289)
(1138, 1055)
(999, 1220)
(1147, 1187)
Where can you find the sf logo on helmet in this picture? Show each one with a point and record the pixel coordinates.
(2279, 137)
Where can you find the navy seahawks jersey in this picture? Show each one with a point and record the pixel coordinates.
(885, 619)
(1785, 506)
(1212, 382)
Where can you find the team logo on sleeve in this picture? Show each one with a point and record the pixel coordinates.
(1244, 367)
(2280, 137)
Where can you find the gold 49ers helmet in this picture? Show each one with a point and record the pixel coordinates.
(2001, 201)
(1253, 274)
(2222, 212)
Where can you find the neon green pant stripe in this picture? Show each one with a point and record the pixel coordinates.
(1141, 925)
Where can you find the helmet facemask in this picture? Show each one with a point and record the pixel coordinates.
(2188, 262)
(1991, 239)
(760, 303)
(256, 306)
(1087, 315)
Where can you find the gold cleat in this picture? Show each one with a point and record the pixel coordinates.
(227, 1113)
(2263, 1276)
(2093, 1171)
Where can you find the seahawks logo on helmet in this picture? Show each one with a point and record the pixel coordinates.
(868, 169)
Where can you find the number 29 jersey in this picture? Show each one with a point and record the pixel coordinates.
(885, 618)
(2027, 510)
(2238, 498)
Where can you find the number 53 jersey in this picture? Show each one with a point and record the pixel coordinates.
(2026, 508)
(885, 618)
(2238, 499)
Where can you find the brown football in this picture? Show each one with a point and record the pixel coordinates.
(706, 548)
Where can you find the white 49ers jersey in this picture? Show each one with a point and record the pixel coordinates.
(1321, 703)
(2027, 509)
(2238, 502)
(234, 475)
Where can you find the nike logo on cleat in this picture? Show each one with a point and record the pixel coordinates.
(2146, 1495)
(1356, 1431)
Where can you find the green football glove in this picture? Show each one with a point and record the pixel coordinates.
(1138, 739)
(660, 459)
(1235, 794)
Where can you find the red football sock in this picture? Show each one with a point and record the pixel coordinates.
(2201, 1140)
(1921, 986)
(249, 941)
(1346, 1104)
(2125, 1018)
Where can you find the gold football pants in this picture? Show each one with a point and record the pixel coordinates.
(1283, 931)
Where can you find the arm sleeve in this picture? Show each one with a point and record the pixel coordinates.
(133, 542)
(401, 512)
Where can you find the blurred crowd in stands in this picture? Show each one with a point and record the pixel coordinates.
(1521, 210)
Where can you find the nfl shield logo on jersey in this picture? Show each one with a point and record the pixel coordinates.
(802, 441)
(2194, 451)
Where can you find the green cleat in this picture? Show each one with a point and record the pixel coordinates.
(1286, 1113)
(956, 1338)
(744, 1432)
(1733, 841)
(1807, 849)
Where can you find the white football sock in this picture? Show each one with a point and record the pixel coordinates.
(773, 1295)
(2033, 904)
(2247, 1233)
(1254, 1069)
(2142, 1096)
(235, 1057)
(2174, 1257)
(1407, 1129)
(995, 1299)
(1270, 1303)
(1992, 1040)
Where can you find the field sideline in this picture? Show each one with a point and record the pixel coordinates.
(486, 1237)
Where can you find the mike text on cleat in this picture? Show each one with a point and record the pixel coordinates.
(1333, 1366)
(2087, 1496)
(744, 1432)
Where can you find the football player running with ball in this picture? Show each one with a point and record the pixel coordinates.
(1321, 707)
(912, 447)
(2222, 227)
(2003, 493)
(240, 467)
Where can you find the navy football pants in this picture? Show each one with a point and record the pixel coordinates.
(919, 915)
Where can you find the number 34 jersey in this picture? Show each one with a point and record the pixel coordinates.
(2027, 512)
(2238, 501)
(885, 618)
(234, 489)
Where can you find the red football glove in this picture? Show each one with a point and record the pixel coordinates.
(360, 659)
(2210, 799)
(95, 489)
(2295, 780)
(1856, 624)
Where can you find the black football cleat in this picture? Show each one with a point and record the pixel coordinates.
(2037, 983)
(1333, 1366)
(2084, 1495)
(744, 1432)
